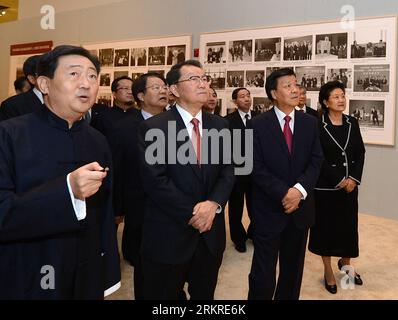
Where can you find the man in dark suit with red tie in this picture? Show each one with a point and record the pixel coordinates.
(238, 120)
(287, 160)
(183, 236)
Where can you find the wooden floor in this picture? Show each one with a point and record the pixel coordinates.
(377, 264)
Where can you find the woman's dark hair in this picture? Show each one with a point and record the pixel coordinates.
(326, 90)
(48, 62)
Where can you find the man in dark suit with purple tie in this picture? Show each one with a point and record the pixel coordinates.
(287, 159)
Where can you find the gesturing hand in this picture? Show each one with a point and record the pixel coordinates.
(86, 180)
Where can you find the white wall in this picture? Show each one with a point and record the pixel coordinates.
(31, 8)
(134, 19)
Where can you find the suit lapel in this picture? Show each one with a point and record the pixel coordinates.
(181, 126)
(298, 131)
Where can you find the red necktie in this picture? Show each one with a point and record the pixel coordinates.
(196, 138)
(288, 134)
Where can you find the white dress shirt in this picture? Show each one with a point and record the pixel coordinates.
(146, 114)
(38, 95)
(243, 115)
(281, 115)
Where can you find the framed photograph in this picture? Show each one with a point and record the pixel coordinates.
(255, 78)
(138, 57)
(217, 77)
(235, 79)
(122, 57)
(331, 46)
(106, 57)
(240, 51)
(175, 54)
(261, 104)
(311, 77)
(369, 113)
(267, 49)
(216, 52)
(344, 75)
(369, 43)
(372, 78)
(156, 56)
(297, 48)
(105, 79)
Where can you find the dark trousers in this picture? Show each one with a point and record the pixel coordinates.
(241, 189)
(166, 282)
(290, 245)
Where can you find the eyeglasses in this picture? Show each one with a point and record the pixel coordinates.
(197, 79)
(157, 88)
(124, 89)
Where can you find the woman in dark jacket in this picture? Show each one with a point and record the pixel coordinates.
(336, 196)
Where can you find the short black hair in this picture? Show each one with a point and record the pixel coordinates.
(236, 91)
(139, 85)
(19, 83)
(302, 87)
(326, 90)
(30, 66)
(116, 82)
(214, 90)
(48, 62)
(272, 80)
(174, 74)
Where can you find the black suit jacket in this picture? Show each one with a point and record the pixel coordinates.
(19, 105)
(275, 170)
(174, 189)
(235, 122)
(311, 112)
(341, 160)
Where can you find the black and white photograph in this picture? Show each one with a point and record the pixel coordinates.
(235, 79)
(118, 74)
(122, 57)
(106, 57)
(105, 98)
(217, 78)
(105, 79)
(369, 113)
(175, 54)
(331, 46)
(298, 48)
(240, 51)
(261, 104)
(343, 75)
(157, 56)
(216, 52)
(269, 70)
(136, 75)
(267, 49)
(369, 43)
(255, 78)
(138, 57)
(311, 77)
(371, 78)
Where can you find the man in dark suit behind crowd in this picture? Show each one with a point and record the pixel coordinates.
(242, 188)
(287, 159)
(302, 102)
(150, 92)
(184, 229)
(106, 120)
(27, 102)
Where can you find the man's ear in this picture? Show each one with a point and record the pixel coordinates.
(173, 89)
(43, 83)
(273, 94)
(140, 96)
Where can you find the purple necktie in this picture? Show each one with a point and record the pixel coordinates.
(288, 133)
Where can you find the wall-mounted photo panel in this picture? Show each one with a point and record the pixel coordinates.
(134, 57)
(362, 58)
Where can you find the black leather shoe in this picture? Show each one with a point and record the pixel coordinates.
(331, 288)
(240, 247)
(357, 279)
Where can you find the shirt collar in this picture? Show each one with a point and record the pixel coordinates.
(145, 114)
(282, 115)
(187, 117)
(242, 114)
(303, 108)
(39, 95)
